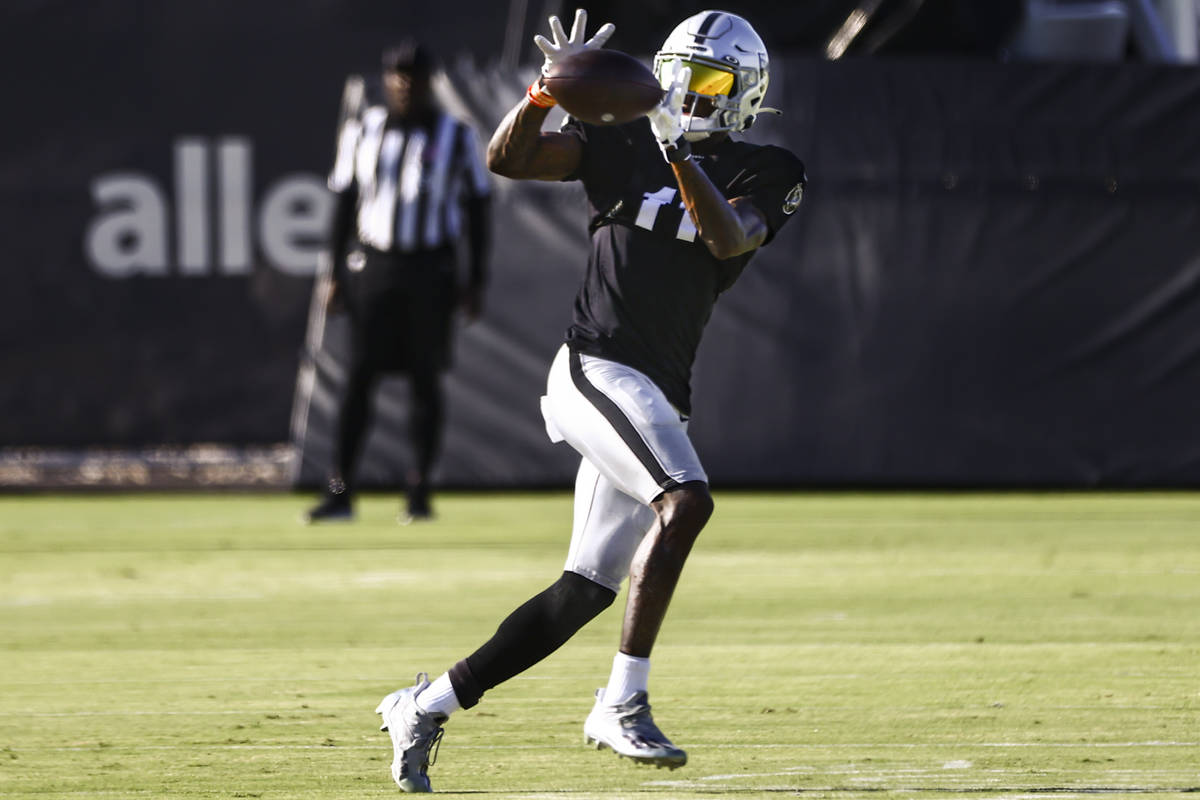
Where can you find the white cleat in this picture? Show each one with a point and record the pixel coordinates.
(414, 734)
(628, 730)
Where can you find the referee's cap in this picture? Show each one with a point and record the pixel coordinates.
(409, 56)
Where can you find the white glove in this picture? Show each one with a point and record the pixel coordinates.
(666, 119)
(563, 46)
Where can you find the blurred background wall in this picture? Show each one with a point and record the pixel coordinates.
(994, 279)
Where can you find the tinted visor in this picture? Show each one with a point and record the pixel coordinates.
(709, 80)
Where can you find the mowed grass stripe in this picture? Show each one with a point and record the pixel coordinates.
(706, 745)
(848, 644)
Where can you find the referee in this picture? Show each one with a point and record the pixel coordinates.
(410, 185)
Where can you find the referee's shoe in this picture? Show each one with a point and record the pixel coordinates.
(334, 507)
(419, 509)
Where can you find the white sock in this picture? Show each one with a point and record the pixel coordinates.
(439, 697)
(630, 675)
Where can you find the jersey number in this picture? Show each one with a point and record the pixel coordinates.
(652, 202)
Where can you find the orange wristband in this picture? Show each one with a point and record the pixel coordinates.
(538, 95)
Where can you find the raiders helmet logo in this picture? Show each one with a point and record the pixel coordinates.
(792, 201)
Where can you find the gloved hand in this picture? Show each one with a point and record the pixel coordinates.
(563, 46)
(666, 119)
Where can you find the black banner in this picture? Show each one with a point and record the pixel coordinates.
(162, 189)
(994, 279)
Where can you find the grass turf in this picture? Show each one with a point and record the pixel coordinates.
(824, 645)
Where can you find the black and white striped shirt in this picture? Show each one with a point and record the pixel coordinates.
(411, 180)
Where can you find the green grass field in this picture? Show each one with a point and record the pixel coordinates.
(824, 645)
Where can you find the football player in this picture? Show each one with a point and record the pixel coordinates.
(678, 207)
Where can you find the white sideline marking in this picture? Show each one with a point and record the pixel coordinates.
(787, 772)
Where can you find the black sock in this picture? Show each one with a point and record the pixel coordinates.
(535, 630)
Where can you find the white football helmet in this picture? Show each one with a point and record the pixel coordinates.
(729, 68)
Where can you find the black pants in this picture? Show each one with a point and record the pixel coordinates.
(400, 310)
(425, 423)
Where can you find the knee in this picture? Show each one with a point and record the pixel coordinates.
(686, 508)
(577, 596)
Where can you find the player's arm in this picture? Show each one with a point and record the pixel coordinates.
(728, 228)
(519, 148)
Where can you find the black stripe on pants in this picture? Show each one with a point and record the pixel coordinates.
(621, 424)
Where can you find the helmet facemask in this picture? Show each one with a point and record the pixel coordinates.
(707, 101)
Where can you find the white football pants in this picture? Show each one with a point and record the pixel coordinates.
(634, 445)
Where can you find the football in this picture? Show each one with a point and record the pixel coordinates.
(603, 87)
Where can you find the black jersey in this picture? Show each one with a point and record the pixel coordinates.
(651, 282)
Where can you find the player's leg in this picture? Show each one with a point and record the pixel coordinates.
(414, 717)
(621, 716)
(622, 422)
(681, 514)
(607, 527)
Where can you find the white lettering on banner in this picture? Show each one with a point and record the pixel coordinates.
(131, 238)
(293, 222)
(130, 233)
(191, 206)
(237, 204)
